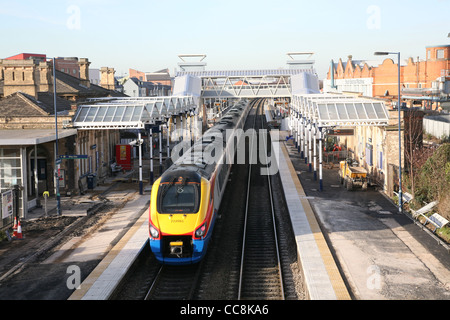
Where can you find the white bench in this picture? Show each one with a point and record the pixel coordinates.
(437, 220)
(424, 209)
(406, 197)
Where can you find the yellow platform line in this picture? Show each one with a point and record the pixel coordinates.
(330, 265)
(101, 267)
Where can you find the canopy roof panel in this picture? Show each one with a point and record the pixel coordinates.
(131, 113)
(340, 110)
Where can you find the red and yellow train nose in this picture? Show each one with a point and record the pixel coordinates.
(179, 220)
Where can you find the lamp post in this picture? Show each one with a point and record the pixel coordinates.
(139, 143)
(57, 159)
(400, 194)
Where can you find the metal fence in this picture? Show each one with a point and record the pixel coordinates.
(437, 126)
(334, 156)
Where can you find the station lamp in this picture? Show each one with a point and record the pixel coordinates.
(400, 195)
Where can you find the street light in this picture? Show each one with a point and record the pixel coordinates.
(400, 195)
(139, 143)
(57, 158)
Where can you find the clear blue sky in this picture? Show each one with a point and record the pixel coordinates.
(244, 34)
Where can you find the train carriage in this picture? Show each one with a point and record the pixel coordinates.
(185, 200)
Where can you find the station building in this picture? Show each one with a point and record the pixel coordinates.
(28, 136)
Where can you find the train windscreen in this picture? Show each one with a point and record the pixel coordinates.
(177, 198)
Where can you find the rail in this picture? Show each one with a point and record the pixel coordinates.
(260, 271)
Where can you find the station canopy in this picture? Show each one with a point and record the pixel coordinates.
(130, 113)
(334, 110)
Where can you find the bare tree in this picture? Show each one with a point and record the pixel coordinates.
(414, 152)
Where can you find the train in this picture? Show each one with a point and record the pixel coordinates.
(185, 200)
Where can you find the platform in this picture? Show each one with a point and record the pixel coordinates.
(322, 277)
(104, 279)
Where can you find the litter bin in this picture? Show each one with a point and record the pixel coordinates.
(92, 181)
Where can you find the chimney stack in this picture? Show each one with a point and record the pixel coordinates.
(20, 75)
(107, 80)
(45, 76)
(84, 72)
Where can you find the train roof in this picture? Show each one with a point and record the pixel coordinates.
(213, 140)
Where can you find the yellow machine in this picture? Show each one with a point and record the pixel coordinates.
(352, 175)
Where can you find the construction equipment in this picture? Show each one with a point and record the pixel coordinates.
(352, 175)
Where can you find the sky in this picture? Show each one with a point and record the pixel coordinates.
(245, 34)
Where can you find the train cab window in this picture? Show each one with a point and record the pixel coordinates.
(179, 198)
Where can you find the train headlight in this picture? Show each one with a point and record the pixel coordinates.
(154, 232)
(200, 232)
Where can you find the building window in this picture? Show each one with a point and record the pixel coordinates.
(10, 174)
(369, 154)
(440, 54)
(380, 158)
(429, 54)
(74, 71)
(10, 168)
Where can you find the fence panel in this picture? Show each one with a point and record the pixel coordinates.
(437, 126)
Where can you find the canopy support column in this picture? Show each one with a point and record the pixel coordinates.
(141, 186)
(151, 156)
(310, 146)
(320, 161)
(315, 152)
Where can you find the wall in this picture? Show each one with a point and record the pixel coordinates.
(137, 74)
(69, 66)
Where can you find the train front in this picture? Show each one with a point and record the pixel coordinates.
(180, 218)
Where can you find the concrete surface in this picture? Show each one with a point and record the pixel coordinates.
(382, 254)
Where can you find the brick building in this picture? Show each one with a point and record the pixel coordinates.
(424, 82)
(69, 66)
(161, 77)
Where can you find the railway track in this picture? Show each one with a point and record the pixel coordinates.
(260, 272)
(232, 268)
(174, 283)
